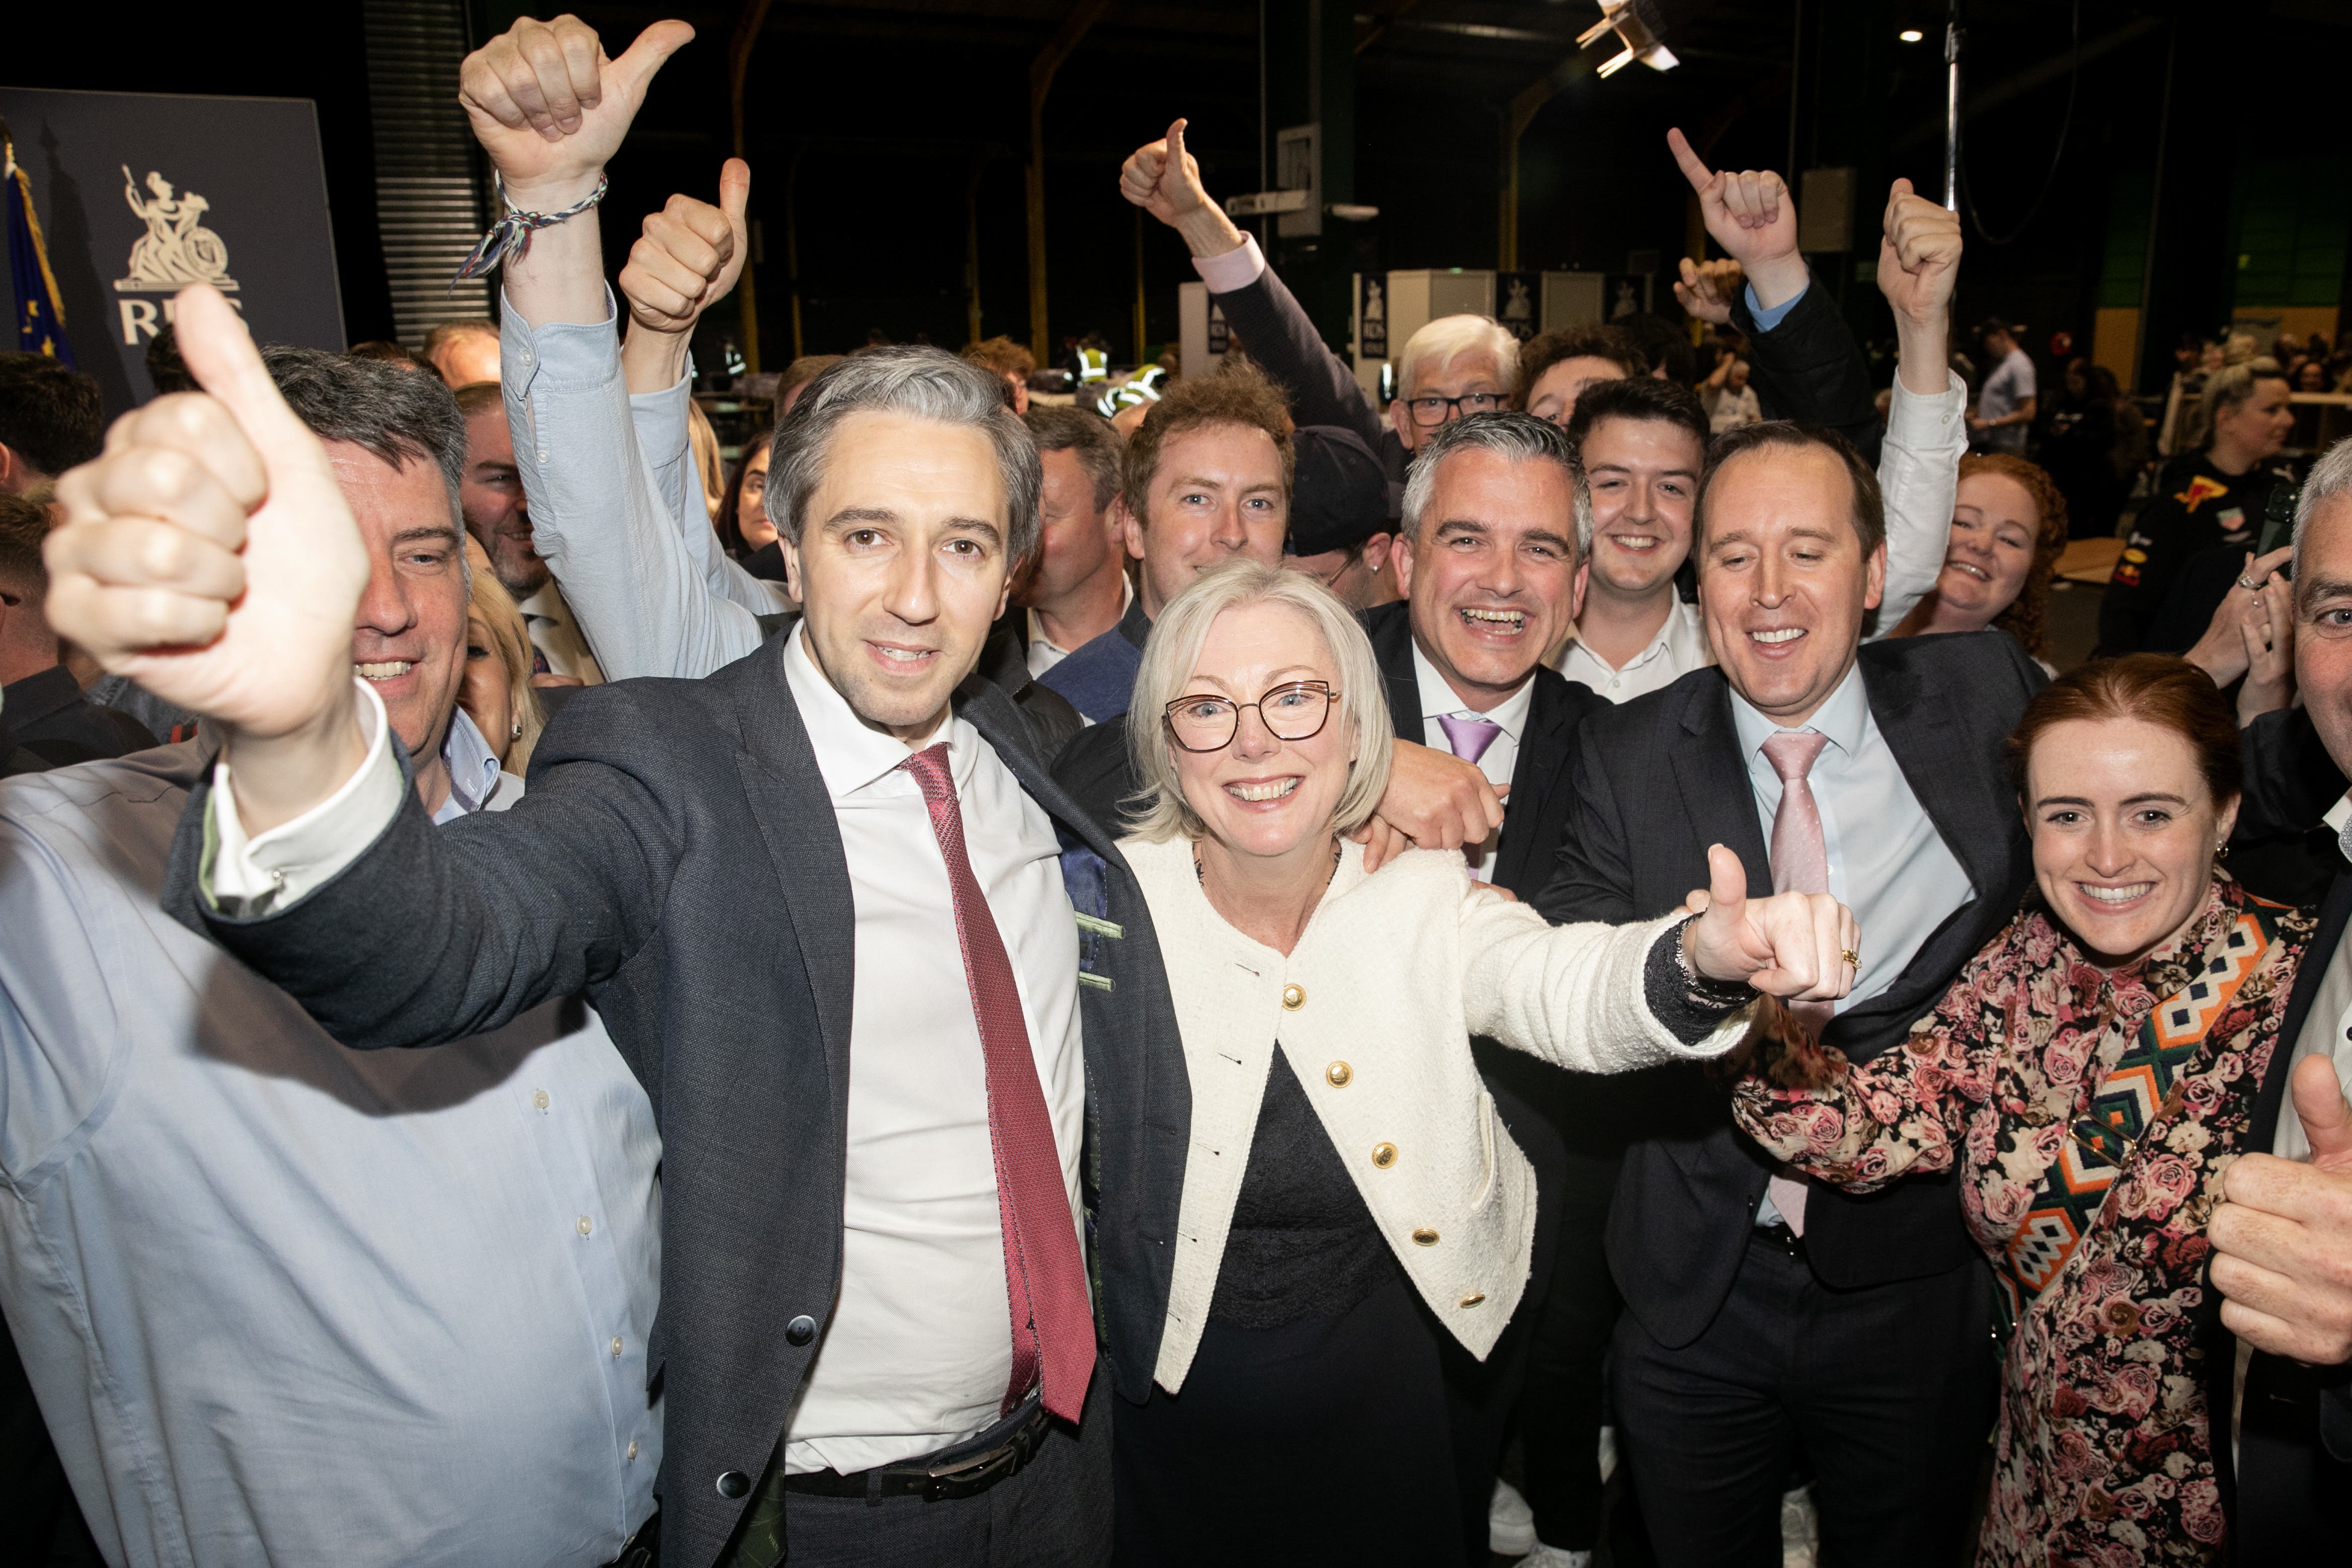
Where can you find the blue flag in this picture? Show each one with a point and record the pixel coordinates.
(41, 313)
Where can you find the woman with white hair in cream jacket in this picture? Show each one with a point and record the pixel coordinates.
(1349, 1192)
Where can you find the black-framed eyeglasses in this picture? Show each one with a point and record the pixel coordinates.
(1430, 412)
(1295, 711)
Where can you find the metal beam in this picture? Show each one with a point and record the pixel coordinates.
(739, 65)
(1516, 116)
(1082, 16)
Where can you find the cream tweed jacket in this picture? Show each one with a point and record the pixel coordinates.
(1375, 1008)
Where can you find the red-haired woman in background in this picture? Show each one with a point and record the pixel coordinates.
(2009, 528)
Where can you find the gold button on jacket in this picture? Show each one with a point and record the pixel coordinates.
(1424, 1237)
(1383, 1155)
(1339, 1075)
(1294, 997)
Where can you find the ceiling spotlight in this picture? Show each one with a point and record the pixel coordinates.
(1641, 26)
(1910, 35)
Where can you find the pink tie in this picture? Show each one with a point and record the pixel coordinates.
(1044, 1277)
(1801, 864)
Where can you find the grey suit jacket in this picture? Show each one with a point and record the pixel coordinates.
(677, 859)
(1658, 781)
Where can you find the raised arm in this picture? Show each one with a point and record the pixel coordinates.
(550, 110)
(210, 554)
(688, 259)
(1927, 420)
(1164, 180)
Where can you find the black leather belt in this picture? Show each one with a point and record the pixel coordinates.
(966, 1470)
(643, 1549)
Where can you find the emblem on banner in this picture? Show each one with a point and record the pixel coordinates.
(176, 249)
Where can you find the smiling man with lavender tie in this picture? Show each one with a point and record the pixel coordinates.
(1764, 1314)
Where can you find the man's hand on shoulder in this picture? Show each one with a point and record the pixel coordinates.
(210, 555)
(1436, 800)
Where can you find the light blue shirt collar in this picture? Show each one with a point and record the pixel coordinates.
(1842, 719)
(473, 770)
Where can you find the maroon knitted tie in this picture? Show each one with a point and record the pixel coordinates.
(1044, 1277)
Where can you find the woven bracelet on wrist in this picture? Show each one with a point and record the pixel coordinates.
(511, 235)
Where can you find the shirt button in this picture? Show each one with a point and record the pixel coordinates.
(1294, 997)
(1383, 1155)
(617, 1345)
(632, 1448)
(801, 1329)
(539, 1100)
(585, 1225)
(1339, 1075)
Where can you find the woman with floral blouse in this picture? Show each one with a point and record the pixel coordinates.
(2092, 1073)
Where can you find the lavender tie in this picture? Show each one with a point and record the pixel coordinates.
(1469, 738)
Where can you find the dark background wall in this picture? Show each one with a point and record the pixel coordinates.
(879, 130)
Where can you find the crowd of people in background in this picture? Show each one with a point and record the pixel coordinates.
(1170, 963)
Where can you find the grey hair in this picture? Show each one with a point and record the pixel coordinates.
(2330, 476)
(391, 411)
(926, 383)
(1174, 648)
(1515, 437)
(1447, 339)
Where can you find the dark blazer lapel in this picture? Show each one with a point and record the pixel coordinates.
(2270, 1103)
(984, 706)
(1718, 801)
(1541, 767)
(794, 811)
(1917, 725)
(1391, 629)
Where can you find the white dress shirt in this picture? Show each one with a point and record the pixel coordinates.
(556, 634)
(920, 1349)
(1501, 755)
(1679, 647)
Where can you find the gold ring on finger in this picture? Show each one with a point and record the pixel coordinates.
(1851, 956)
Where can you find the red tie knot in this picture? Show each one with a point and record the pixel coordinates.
(930, 767)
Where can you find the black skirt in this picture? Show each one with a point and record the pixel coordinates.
(1313, 1424)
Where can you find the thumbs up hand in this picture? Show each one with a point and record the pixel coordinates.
(1164, 180)
(2283, 1238)
(550, 109)
(1791, 945)
(690, 255)
(209, 554)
